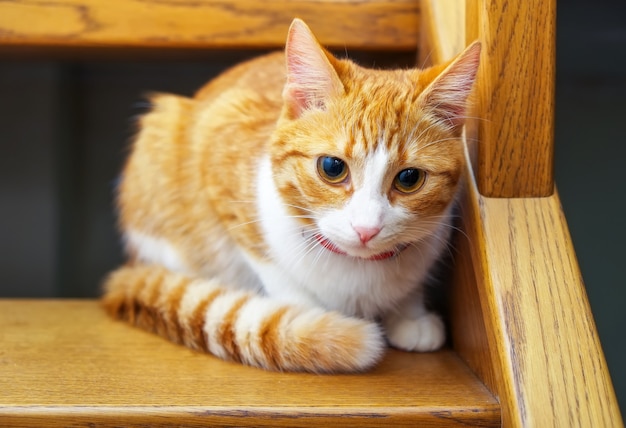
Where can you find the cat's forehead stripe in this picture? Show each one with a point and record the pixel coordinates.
(380, 114)
(391, 135)
(278, 160)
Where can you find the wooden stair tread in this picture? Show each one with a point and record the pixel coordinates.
(123, 24)
(67, 360)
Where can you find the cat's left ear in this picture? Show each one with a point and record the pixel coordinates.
(311, 78)
(447, 94)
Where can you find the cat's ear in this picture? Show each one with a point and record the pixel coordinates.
(447, 94)
(311, 78)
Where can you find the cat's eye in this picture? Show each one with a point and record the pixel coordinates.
(332, 169)
(409, 180)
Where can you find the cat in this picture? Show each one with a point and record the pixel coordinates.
(288, 215)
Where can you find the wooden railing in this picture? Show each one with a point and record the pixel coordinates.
(204, 24)
(521, 318)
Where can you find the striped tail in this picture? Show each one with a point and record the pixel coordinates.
(241, 326)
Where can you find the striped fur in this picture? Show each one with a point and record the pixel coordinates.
(238, 245)
(241, 326)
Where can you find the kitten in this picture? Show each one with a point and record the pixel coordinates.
(287, 216)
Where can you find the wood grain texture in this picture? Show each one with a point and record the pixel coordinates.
(514, 100)
(183, 24)
(473, 335)
(65, 363)
(543, 357)
(442, 34)
(519, 311)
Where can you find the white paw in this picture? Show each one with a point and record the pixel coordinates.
(427, 333)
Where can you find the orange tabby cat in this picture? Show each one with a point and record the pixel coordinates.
(288, 215)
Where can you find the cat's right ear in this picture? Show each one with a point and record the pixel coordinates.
(447, 94)
(311, 78)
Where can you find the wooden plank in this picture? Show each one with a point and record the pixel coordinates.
(520, 314)
(201, 24)
(473, 334)
(546, 362)
(65, 362)
(514, 100)
(442, 34)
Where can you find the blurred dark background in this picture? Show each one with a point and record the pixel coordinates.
(65, 128)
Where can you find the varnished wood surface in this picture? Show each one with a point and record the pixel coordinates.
(543, 357)
(520, 314)
(65, 363)
(514, 102)
(202, 24)
(442, 34)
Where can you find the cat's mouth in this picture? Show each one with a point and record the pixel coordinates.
(330, 246)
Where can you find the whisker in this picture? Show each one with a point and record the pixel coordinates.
(435, 142)
(243, 224)
(432, 125)
(302, 208)
(241, 202)
(426, 59)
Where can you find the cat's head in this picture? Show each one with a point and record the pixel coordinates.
(369, 161)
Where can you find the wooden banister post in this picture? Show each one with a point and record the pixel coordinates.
(514, 103)
(519, 313)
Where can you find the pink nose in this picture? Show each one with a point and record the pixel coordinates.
(366, 233)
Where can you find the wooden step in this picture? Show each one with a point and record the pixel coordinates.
(64, 362)
(154, 24)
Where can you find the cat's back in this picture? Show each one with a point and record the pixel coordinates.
(192, 157)
(237, 112)
(262, 75)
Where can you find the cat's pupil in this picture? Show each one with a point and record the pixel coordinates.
(408, 177)
(409, 180)
(332, 169)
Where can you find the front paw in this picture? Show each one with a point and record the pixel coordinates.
(426, 333)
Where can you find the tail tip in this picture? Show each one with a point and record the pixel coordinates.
(332, 343)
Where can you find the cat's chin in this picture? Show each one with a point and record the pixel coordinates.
(361, 253)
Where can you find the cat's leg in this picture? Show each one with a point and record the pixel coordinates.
(412, 327)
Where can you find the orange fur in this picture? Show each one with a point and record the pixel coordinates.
(190, 182)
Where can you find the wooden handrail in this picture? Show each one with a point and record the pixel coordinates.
(202, 24)
(520, 314)
(532, 339)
